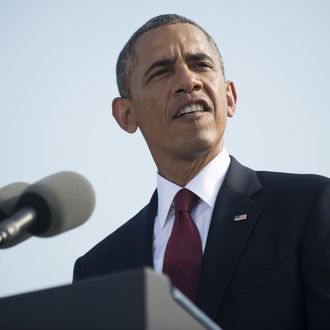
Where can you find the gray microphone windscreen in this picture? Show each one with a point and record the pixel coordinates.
(8, 198)
(62, 201)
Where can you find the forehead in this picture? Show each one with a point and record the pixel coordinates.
(172, 41)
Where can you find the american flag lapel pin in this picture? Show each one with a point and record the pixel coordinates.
(240, 217)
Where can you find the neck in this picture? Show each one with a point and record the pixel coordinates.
(181, 171)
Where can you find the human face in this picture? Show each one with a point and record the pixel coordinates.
(179, 98)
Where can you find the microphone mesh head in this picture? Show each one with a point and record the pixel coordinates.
(62, 201)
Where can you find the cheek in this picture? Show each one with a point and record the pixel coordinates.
(215, 88)
(149, 117)
(220, 101)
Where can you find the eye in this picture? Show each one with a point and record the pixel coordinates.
(160, 73)
(202, 65)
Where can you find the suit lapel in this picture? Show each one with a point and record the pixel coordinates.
(227, 238)
(147, 225)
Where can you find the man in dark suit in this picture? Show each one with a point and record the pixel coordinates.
(264, 237)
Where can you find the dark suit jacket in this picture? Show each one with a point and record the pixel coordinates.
(269, 272)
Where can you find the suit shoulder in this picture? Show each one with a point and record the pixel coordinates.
(302, 190)
(119, 236)
(123, 249)
(292, 179)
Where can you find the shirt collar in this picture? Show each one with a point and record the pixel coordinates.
(205, 185)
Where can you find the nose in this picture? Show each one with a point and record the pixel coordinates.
(186, 81)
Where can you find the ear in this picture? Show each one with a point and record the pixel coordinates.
(123, 114)
(231, 98)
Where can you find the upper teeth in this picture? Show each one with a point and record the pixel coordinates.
(191, 108)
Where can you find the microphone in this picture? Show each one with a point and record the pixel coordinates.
(8, 198)
(49, 207)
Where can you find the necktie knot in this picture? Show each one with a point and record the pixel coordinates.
(185, 200)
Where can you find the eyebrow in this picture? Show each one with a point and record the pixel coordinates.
(195, 57)
(190, 57)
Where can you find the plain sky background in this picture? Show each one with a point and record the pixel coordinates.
(57, 82)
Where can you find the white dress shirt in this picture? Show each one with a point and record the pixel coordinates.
(205, 185)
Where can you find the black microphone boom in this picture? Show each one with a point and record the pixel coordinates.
(49, 207)
(8, 198)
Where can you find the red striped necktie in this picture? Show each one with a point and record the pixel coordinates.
(183, 254)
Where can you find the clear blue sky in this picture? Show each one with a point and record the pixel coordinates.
(57, 82)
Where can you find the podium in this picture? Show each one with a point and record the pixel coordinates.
(136, 300)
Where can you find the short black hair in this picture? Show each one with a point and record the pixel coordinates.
(127, 56)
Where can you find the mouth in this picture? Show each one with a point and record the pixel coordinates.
(192, 108)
